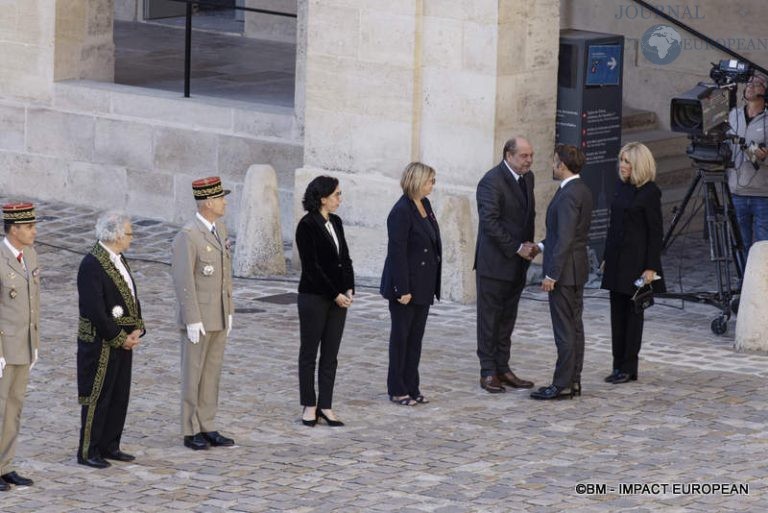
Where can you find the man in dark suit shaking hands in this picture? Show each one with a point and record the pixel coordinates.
(566, 269)
(503, 253)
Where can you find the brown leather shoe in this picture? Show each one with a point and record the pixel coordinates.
(509, 378)
(491, 384)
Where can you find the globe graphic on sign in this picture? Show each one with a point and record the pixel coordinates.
(661, 44)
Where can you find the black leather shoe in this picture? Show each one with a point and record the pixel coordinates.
(218, 440)
(119, 456)
(552, 392)
(623, 377)
(15, 479)
(196, 442)
(612, 376)
(93, 461)
(576, 388)
(4, 487)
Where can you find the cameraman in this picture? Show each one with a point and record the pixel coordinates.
(749, 185)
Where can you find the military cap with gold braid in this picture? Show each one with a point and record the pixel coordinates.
(19, 213)
(208, 188)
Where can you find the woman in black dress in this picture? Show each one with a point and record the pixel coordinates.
(632, 251)
(410, 280)
(326, 288)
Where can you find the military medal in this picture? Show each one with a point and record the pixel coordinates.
(117, 311)
(207, 270)
(208, 249)
(13, 293)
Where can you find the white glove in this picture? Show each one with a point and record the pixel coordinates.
(194, 331)
(2, 366)
(34, 361)
(229, 324)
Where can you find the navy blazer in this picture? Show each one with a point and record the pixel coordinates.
(565, 249)
(505, 220)
(414, 254)
(325, 270)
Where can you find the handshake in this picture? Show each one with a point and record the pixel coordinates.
(529, 250)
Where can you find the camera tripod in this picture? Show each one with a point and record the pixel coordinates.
(725, 243)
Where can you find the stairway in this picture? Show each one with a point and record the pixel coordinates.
(674, 170)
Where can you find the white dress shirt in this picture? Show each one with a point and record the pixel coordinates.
(15, 252)
(329, 227)
(118, 263)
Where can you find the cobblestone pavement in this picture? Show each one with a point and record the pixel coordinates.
(697, 414)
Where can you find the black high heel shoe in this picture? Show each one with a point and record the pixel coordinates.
(332, 423)
(310, 422)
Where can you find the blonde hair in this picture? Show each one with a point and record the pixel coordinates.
(642, 162)
(415, 175)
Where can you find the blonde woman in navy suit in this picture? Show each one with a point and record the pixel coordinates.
(410, 280)
(326, 288)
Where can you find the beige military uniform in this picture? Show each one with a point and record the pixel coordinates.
(19, 339)
(202, 277)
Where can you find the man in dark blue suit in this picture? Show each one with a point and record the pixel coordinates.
(566, 269)
(506, 212)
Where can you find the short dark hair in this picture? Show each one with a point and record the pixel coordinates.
(320, 187)
(7, 227)
(571, 156)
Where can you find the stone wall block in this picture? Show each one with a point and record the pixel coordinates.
(237, 154)
(12, 120)
(79, 96)
(480, 43)
(169, 108)
(266, 26)
(60, 134)
(150, 193)
(334, 31)
(752, 323)
(123, 143)
(33, 175)
(259, 249)
(443, 43)
(457, 234)
(280, 124)
(387, 38)
(97, 185)
(185, 151)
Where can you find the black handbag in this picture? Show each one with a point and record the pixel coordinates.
(643, 298)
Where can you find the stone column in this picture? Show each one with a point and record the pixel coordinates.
(259, 248)
(84, 47)
(444, 82)
(752, 323)
(456, 232)
(268, 26)
(26, 53)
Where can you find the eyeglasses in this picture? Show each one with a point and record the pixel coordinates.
(128, 234)
(433, 180)
(756, 83)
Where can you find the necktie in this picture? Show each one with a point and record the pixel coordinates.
(215, 233)
(521, 183)
(20, 256)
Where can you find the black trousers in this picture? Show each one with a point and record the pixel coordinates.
(566, 306)
(408, 323)
(102, 421)
(626, 332)
(321, 325)
(497, 302)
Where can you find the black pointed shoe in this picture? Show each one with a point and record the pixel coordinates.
(552, 392)
(15, 479)
(216, 439)
(119, 455)
(94, 461)
(196, 442)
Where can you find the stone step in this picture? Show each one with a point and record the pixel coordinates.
(662, 143)
(633, 119)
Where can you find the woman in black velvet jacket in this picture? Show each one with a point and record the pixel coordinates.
(410, 280)
(632, 251)
(325, 292)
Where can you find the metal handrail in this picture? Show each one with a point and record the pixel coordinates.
(188, 32)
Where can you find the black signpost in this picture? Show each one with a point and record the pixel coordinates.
(589, 89)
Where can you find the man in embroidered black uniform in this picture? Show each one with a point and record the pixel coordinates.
(110, 327)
